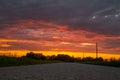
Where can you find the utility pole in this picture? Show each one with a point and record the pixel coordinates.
(96, 50)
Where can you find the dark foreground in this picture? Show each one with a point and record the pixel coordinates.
(60, 71)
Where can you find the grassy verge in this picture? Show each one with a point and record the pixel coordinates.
(6, 61)
(111, 62)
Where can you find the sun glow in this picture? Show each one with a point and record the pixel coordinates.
(49, 53)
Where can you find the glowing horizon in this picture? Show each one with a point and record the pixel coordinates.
(49, 53)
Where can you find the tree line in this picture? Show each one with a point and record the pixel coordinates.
(67, 58)
(61, 57)
(34, 58)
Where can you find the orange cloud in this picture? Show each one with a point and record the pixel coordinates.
(21, 41)
(5, 45)
(87, 44)
(45, 35)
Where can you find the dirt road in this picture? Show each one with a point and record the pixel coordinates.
(60, 71)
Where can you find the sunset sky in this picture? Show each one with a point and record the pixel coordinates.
(60, 25)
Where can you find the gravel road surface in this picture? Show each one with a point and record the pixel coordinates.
(60, 71)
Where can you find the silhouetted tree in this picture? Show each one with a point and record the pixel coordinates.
(65, 58)
(88, 59)
(30, 55)
(99, 59)
(36, 56)
(53, 57)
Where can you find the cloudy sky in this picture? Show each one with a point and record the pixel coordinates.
(60, 25)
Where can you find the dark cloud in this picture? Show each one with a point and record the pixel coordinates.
(110, 45)
(77, 14)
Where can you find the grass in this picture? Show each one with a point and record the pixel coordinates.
(6, 61)
(112, 62)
